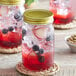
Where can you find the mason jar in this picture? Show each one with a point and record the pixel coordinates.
(63, 13)
(10, 26)
(38, 40)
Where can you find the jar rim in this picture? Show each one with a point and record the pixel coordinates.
(38, 16)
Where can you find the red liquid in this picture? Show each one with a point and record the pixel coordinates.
(31, 59)
(10, 40)
(62, 18)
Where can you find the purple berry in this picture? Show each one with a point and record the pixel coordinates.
(41, 59)
(41, 51)
(10, 28)
(18, 16)
(23, 31)
(48, 38)
(35, 47)
(4, 31)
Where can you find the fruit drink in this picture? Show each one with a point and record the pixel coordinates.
(38, 40)
(36, 61)
(63, 14)
(10, 27)
(38, 48)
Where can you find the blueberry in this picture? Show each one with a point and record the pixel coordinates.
(10, 28)
(32, 42)
(41, 59)
(35, 47)
(22, 37)
(18, 16)
(41, 51)
(15, 27)
(23, 32)
(16, 23)
(4, 31)
(48, 38)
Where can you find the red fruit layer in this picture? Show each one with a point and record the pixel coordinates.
(31, 61)
(62, 19)
(10, 40)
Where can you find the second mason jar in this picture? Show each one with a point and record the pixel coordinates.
(10, 26)
(38, 40)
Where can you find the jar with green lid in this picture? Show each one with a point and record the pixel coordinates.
(10, 26)
(38, 40)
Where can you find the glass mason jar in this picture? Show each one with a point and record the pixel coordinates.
(62, 11)
(10, 26)
(38, 40)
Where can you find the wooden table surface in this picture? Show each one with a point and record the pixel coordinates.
(63, 57)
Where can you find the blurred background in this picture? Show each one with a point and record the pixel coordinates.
(72, 3)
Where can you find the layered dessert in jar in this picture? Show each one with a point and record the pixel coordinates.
(38, 40)
(10, 27)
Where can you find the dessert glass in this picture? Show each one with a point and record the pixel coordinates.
(62, 11)
(10, 26)
(38, 40)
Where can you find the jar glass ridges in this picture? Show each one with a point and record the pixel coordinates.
(38, 40)
(10, 28)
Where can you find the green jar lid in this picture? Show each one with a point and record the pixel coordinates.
(38, 16)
